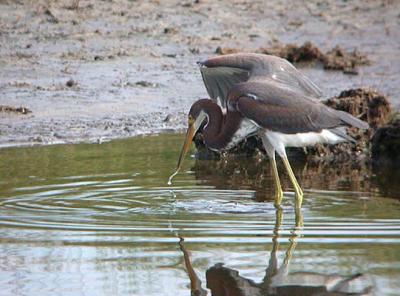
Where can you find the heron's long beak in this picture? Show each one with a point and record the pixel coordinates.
(186, 145)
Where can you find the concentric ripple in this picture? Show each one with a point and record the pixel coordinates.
(107, 210)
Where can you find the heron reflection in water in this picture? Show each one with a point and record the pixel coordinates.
(265, 95)
(224, 281)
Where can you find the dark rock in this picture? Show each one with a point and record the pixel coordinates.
(169, 30)
(70, 83)
(385, 144)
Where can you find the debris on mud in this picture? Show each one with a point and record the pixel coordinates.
(226, 50)
(169, 30)
(334, 59)
(307, 52)
(144, 83)
(71, 83)
(19, 110)
(339, 59)
(73, 6)
(50, 16)
(364, 103)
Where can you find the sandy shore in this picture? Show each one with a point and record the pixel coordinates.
(112, 69)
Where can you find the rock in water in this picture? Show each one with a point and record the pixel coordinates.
(385, 144)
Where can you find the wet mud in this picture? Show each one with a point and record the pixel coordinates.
(94, 71)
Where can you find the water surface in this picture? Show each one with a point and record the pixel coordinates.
(100, 220)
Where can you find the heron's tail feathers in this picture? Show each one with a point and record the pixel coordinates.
(342, 132)
(352, 121)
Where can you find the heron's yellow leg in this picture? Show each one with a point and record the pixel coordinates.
(297, 188)
(278, 221)
(278, 187)
(299, 218)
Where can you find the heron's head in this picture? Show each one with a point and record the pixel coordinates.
(197, 116)
(198, 113)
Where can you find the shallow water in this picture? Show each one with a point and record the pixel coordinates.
(101, 220)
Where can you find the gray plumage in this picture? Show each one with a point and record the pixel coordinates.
(272, 93)
(220, 74)
(283, 110)
(267, 96)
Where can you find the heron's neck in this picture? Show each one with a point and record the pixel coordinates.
(220, 128)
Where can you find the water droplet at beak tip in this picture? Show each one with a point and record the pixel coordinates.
(171, 177)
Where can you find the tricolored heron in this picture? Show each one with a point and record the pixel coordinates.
(264, 95)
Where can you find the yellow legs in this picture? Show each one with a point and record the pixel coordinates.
(270, 149)
(297, 188)
(278, 187)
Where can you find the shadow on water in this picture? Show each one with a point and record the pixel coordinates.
(277, 281)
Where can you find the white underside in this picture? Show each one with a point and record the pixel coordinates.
(246, 129)
(275, 141)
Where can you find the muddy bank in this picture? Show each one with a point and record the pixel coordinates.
(93, 71)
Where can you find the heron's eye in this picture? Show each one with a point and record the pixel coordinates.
(191, 120)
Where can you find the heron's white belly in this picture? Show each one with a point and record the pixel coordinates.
(279, 140)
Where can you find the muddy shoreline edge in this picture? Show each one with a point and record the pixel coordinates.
(103, 70)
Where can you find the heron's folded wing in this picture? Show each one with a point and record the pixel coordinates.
(219, 80)
(302, 117)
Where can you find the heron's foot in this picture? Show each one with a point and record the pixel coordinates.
(278, 198)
